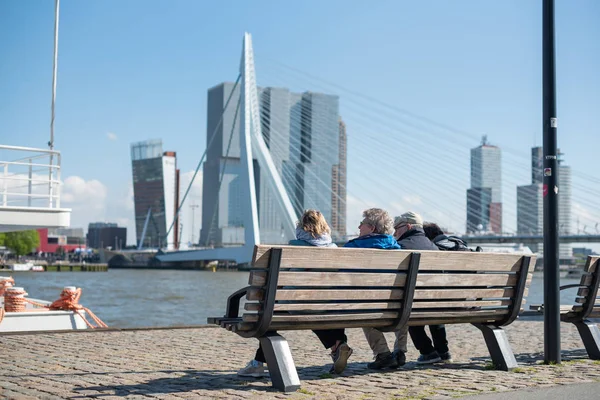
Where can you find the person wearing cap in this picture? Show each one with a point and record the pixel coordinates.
(408, 231)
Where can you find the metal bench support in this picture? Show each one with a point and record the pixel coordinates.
(279, 360)
(590, 334)
(498, 346)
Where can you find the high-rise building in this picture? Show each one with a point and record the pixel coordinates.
(530, 214)
(302, 132)
(484, 207)
(101, 235)
(338, 189)
(155, 194)
(530, 211)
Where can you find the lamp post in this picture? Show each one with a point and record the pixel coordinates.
(550, 192)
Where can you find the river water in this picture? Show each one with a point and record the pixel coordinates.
(125, 298)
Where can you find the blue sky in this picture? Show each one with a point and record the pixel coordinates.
(135, 70)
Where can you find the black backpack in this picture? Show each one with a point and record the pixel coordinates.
(459, 245)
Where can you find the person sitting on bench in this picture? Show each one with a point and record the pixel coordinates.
(311, 230)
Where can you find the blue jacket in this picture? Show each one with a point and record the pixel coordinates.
(374, 241)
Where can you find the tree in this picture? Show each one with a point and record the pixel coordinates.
(22, 242)
(2, 237)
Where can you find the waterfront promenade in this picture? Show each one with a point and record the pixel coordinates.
(201, 362)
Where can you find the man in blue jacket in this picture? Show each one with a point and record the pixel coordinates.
(375, 233)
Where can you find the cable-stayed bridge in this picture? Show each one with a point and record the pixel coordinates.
(396, 160)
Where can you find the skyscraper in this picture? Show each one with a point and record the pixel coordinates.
(155, 193)
(484, 207)
(530, 214)
(302, 132)
(338, 189)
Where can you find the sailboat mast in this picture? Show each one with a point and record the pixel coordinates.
(54, 68)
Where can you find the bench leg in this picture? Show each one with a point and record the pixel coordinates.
(279, 360)
(590, 334)
(498, 346)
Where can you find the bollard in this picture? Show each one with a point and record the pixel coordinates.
(5, 282)
(14, 299)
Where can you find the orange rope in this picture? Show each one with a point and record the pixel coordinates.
(5, 283)
(69, 300)
(14, 299)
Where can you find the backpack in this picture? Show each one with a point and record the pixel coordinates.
(453, 243)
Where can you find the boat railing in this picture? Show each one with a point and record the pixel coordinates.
(29, 177)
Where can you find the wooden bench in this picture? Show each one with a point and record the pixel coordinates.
(293, 288)
(588, 306)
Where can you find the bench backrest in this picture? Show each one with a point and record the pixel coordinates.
(587, 294)
(473, 287)
(294, 287)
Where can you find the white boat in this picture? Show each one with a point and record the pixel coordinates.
(36, 317)
(28, 266)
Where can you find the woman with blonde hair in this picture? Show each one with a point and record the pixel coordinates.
(311, 230)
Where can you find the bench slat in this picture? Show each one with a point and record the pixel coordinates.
(348, 258)
(463, 293)
(333, 294)
(379, 305)
(327, 306)
(470, 261)
(257, 294)
(324, 317)
(368, 279)
(343, 258)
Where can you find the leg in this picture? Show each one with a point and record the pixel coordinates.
(330, 337)
(498, 346)
(590, 334)
(421, 340)
(279, 360)
(438, 334)
(260, 355)
(335, 339)
(401, 343)
(376, 341)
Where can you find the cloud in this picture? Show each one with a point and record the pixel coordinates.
(111, 136)
(86, 199)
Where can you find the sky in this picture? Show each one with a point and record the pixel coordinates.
(136, 70)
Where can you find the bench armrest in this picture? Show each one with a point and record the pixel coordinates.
(573, 285)
(233, 303)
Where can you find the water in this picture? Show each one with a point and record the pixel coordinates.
(125, 298)
(145, 298)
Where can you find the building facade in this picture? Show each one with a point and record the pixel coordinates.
(338, 189)
(530, 203)
(102, 235)
(155, 193)
(302, 132)
(484, 207)
(61, 239)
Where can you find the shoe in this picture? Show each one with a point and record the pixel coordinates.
(430, 358)
(254, 369)
(400, 357)
(340, 358)
(446, 357)
(383, 360)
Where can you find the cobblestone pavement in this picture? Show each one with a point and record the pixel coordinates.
(202, 362)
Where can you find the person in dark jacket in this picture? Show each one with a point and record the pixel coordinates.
(408, 230)
(443, 241)
(311, 230)
(375, 233)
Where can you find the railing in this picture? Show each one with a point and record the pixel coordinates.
(30, 179)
